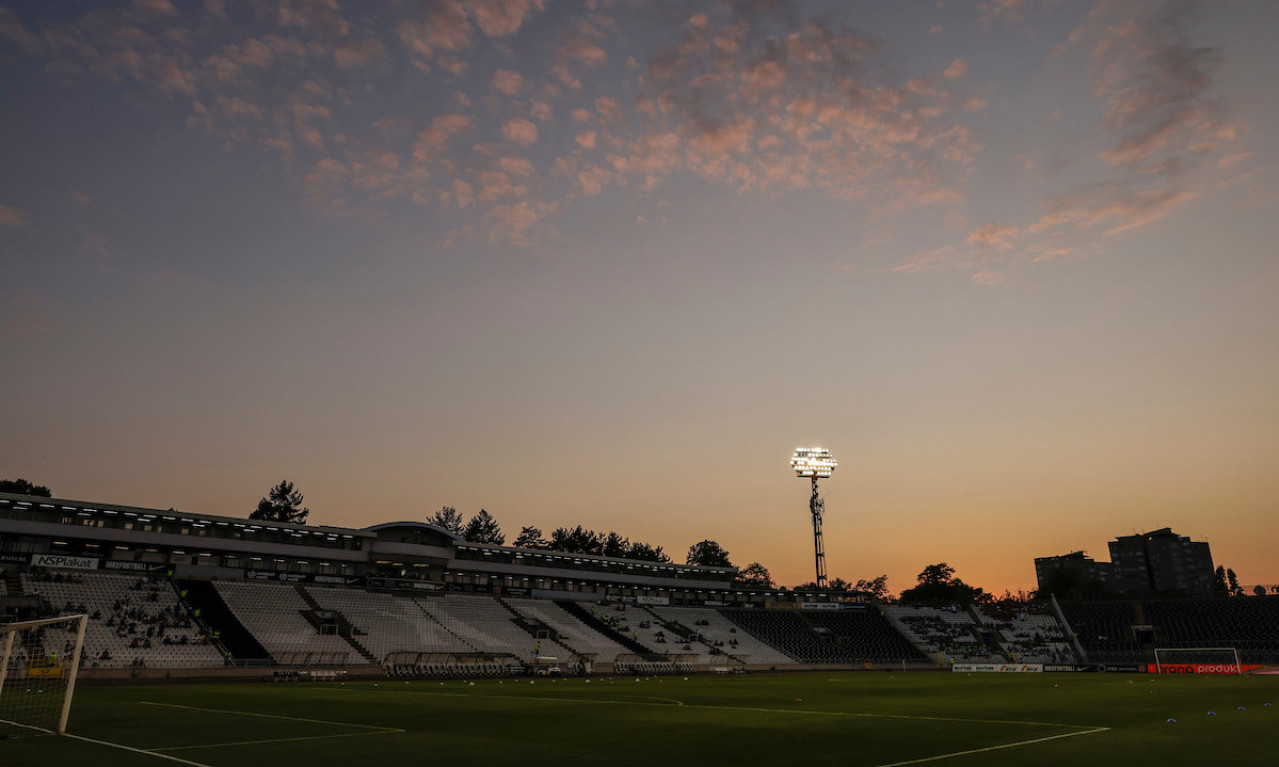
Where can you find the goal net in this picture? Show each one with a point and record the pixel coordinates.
(1197, 660)
(40, 661)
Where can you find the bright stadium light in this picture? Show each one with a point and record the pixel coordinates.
(815, 463)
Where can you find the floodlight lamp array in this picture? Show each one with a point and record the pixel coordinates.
(813, 462)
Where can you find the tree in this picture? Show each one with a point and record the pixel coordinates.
(578, 540)
(647, 553)
(933, 575)
(531, 538)
(282, 504)
(484, 529)
(1219, 581)
(708, 554)
(1232, 582)
(616, 546)
(23, 487)
(876, 588)
(1259, 591)
(447, 518)
(754, 576)
(937, 585)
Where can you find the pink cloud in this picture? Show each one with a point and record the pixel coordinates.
(443, 28)
(586, 139)
(320, 15)
(520, 131)
(956, 69)
(358, 53)
(507, 82)
(993, 236)
(499, 18)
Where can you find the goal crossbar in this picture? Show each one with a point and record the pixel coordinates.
(1224, 660)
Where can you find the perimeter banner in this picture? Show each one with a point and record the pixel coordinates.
(1201, 668)
(999, 668)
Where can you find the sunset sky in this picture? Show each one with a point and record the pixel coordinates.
(609, 263)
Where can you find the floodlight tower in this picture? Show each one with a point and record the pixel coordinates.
(815, 463)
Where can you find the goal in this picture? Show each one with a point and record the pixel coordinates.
(1197, 660)
(39, 663)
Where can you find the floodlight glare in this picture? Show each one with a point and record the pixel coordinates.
(815, 463)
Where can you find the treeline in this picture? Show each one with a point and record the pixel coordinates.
(483, 528)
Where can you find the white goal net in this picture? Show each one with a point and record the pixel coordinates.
(39, 663)
(1197, 660)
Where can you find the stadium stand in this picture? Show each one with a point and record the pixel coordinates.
(716, 635)
(942, 633)
(134, 620)
(571, 633)
(275, 615)
(1030, 634)
(1104, 629)
(1250, 625)
(865, 635)
(486, 626)
(385, 624)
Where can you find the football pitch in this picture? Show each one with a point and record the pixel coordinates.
(846, 719)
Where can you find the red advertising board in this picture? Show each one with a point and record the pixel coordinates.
(1202, 668)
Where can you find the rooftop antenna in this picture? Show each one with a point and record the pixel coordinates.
(815, 463)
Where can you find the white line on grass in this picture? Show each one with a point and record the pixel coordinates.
(939, 757)
(135, 750)
(377, 729)
(799, 711)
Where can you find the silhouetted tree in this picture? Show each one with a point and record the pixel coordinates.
(646, 553)
(708, 554)
(531, 538)
(1232, 581)
(876, 588)
(1259, 591)
(616, 546)
(447, 518)
(937, 584)
(577, 540)
(754, 576)
(484, 529)
(23, 487)
(282, 504)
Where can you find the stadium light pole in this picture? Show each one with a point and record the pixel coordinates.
(815, 463)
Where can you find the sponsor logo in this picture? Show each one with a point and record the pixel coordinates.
(339, 579)
(139, 566)
(1200, 668)
(819, 606)
(65, 562)
(259, 575)
(652, 600)
(998, 668)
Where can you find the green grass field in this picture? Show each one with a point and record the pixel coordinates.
(846, 719)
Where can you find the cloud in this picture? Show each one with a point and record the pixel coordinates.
(24, 316)
(520, 131)
(956, 69)
(321, 16)
(507, 81)
(12, 218)
(358, 53)
(12, 29)
(993, 236)
(500, 18)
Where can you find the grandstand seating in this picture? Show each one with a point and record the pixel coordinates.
(1104, 629)
(1250, 625)
(486, 626)
(942, 633)
(865, 635)
(386, 623)
(787, 631)
(1030, 634)
(273, 613)
(134, 620)
(573, 633)
(717, 633)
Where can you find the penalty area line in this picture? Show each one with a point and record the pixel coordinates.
(123, 747)
(1000, 747)
(374, 728)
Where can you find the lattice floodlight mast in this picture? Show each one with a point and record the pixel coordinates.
(815, 463)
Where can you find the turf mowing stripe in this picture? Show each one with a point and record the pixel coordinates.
(136, 750)
(939, 757)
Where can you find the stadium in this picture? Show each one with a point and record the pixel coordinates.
(159, 635)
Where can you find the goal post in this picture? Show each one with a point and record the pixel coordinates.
(39, 661)
(1198, 660)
